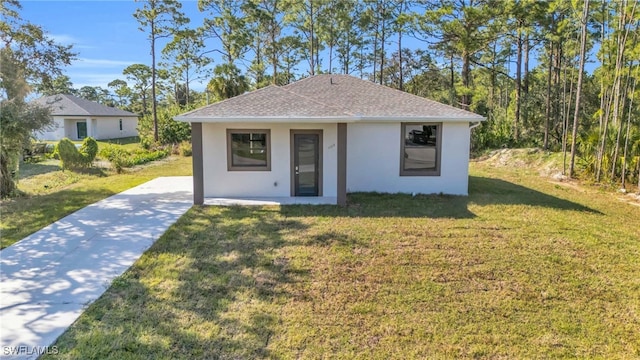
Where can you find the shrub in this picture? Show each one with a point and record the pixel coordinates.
(146, 143)
(72, 158)
(185, 148)
(116, 155)
(89, 150)
(67, 152)
(121, 158)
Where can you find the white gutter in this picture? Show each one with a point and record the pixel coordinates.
(472, 126)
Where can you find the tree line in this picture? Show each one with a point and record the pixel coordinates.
(519, 63)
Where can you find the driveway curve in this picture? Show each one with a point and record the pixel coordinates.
(48, 278)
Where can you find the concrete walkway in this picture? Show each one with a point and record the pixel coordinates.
(48, 278)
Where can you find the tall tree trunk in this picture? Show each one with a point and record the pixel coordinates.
(466, 79)
(547, 115)
(620, 61)
(525, 83)
(452, 89)
(153, 83)
(494, 78)
(620, 46)
(626, 140)
(565, 122)
(274, 58)
(375, 53)
(576, 114)
(525, 76)
(383, 39)
(312, 40)
(186, 85)
(557, 71)
(516, 120)
(7, 185)
(400, 67)
(603, 91)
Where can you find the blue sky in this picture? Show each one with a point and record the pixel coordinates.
(103, 33)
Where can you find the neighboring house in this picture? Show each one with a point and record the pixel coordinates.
(77, 118)
(325, 136)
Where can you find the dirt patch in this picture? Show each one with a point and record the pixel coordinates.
(547, 165)
(631, 198)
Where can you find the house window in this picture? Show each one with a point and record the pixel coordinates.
(420, 150)
(249, 150)
(120, 124)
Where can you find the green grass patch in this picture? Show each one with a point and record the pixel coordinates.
(51, 194)
(522, 268)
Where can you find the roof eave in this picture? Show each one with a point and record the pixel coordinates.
(420, 118)
(325, 119)
(265, 119)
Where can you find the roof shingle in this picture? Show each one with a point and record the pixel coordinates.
(70, 105)
(329, 96)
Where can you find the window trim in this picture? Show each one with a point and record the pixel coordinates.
(436, 171)
(231, 167)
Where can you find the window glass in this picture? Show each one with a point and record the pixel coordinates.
(420, 149)
(248, 150)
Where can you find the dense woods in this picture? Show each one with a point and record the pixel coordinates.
(559, 74)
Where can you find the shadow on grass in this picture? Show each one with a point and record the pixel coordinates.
(28, 169)
(491, 191)
(95, 171)
(211, 287)
(482, 191)
(24, 216)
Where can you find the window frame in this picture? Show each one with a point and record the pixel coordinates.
(231, 167)
(430, 172)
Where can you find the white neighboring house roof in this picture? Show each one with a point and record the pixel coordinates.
(328, 98)
(70, 105)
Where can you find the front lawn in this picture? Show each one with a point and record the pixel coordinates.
(51, 194)
(522, 268)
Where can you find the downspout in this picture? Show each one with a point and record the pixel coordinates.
(471, 127)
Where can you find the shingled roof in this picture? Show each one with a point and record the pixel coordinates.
(328, 98)
(70, 105)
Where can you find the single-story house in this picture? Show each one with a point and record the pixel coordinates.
(77, 118)
(325, 136)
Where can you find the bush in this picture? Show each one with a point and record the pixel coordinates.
(68, 154)
(121, 158)
(185, 148)
(89, 150)
(116, 155)
(72, 158)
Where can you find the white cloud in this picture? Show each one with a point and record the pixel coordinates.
(94, 79)
(64, 39)
(102, 63)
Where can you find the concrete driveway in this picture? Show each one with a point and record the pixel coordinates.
(48, 278)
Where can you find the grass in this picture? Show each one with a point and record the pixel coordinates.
(51, 194)
(128, 143)
(522, 268)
